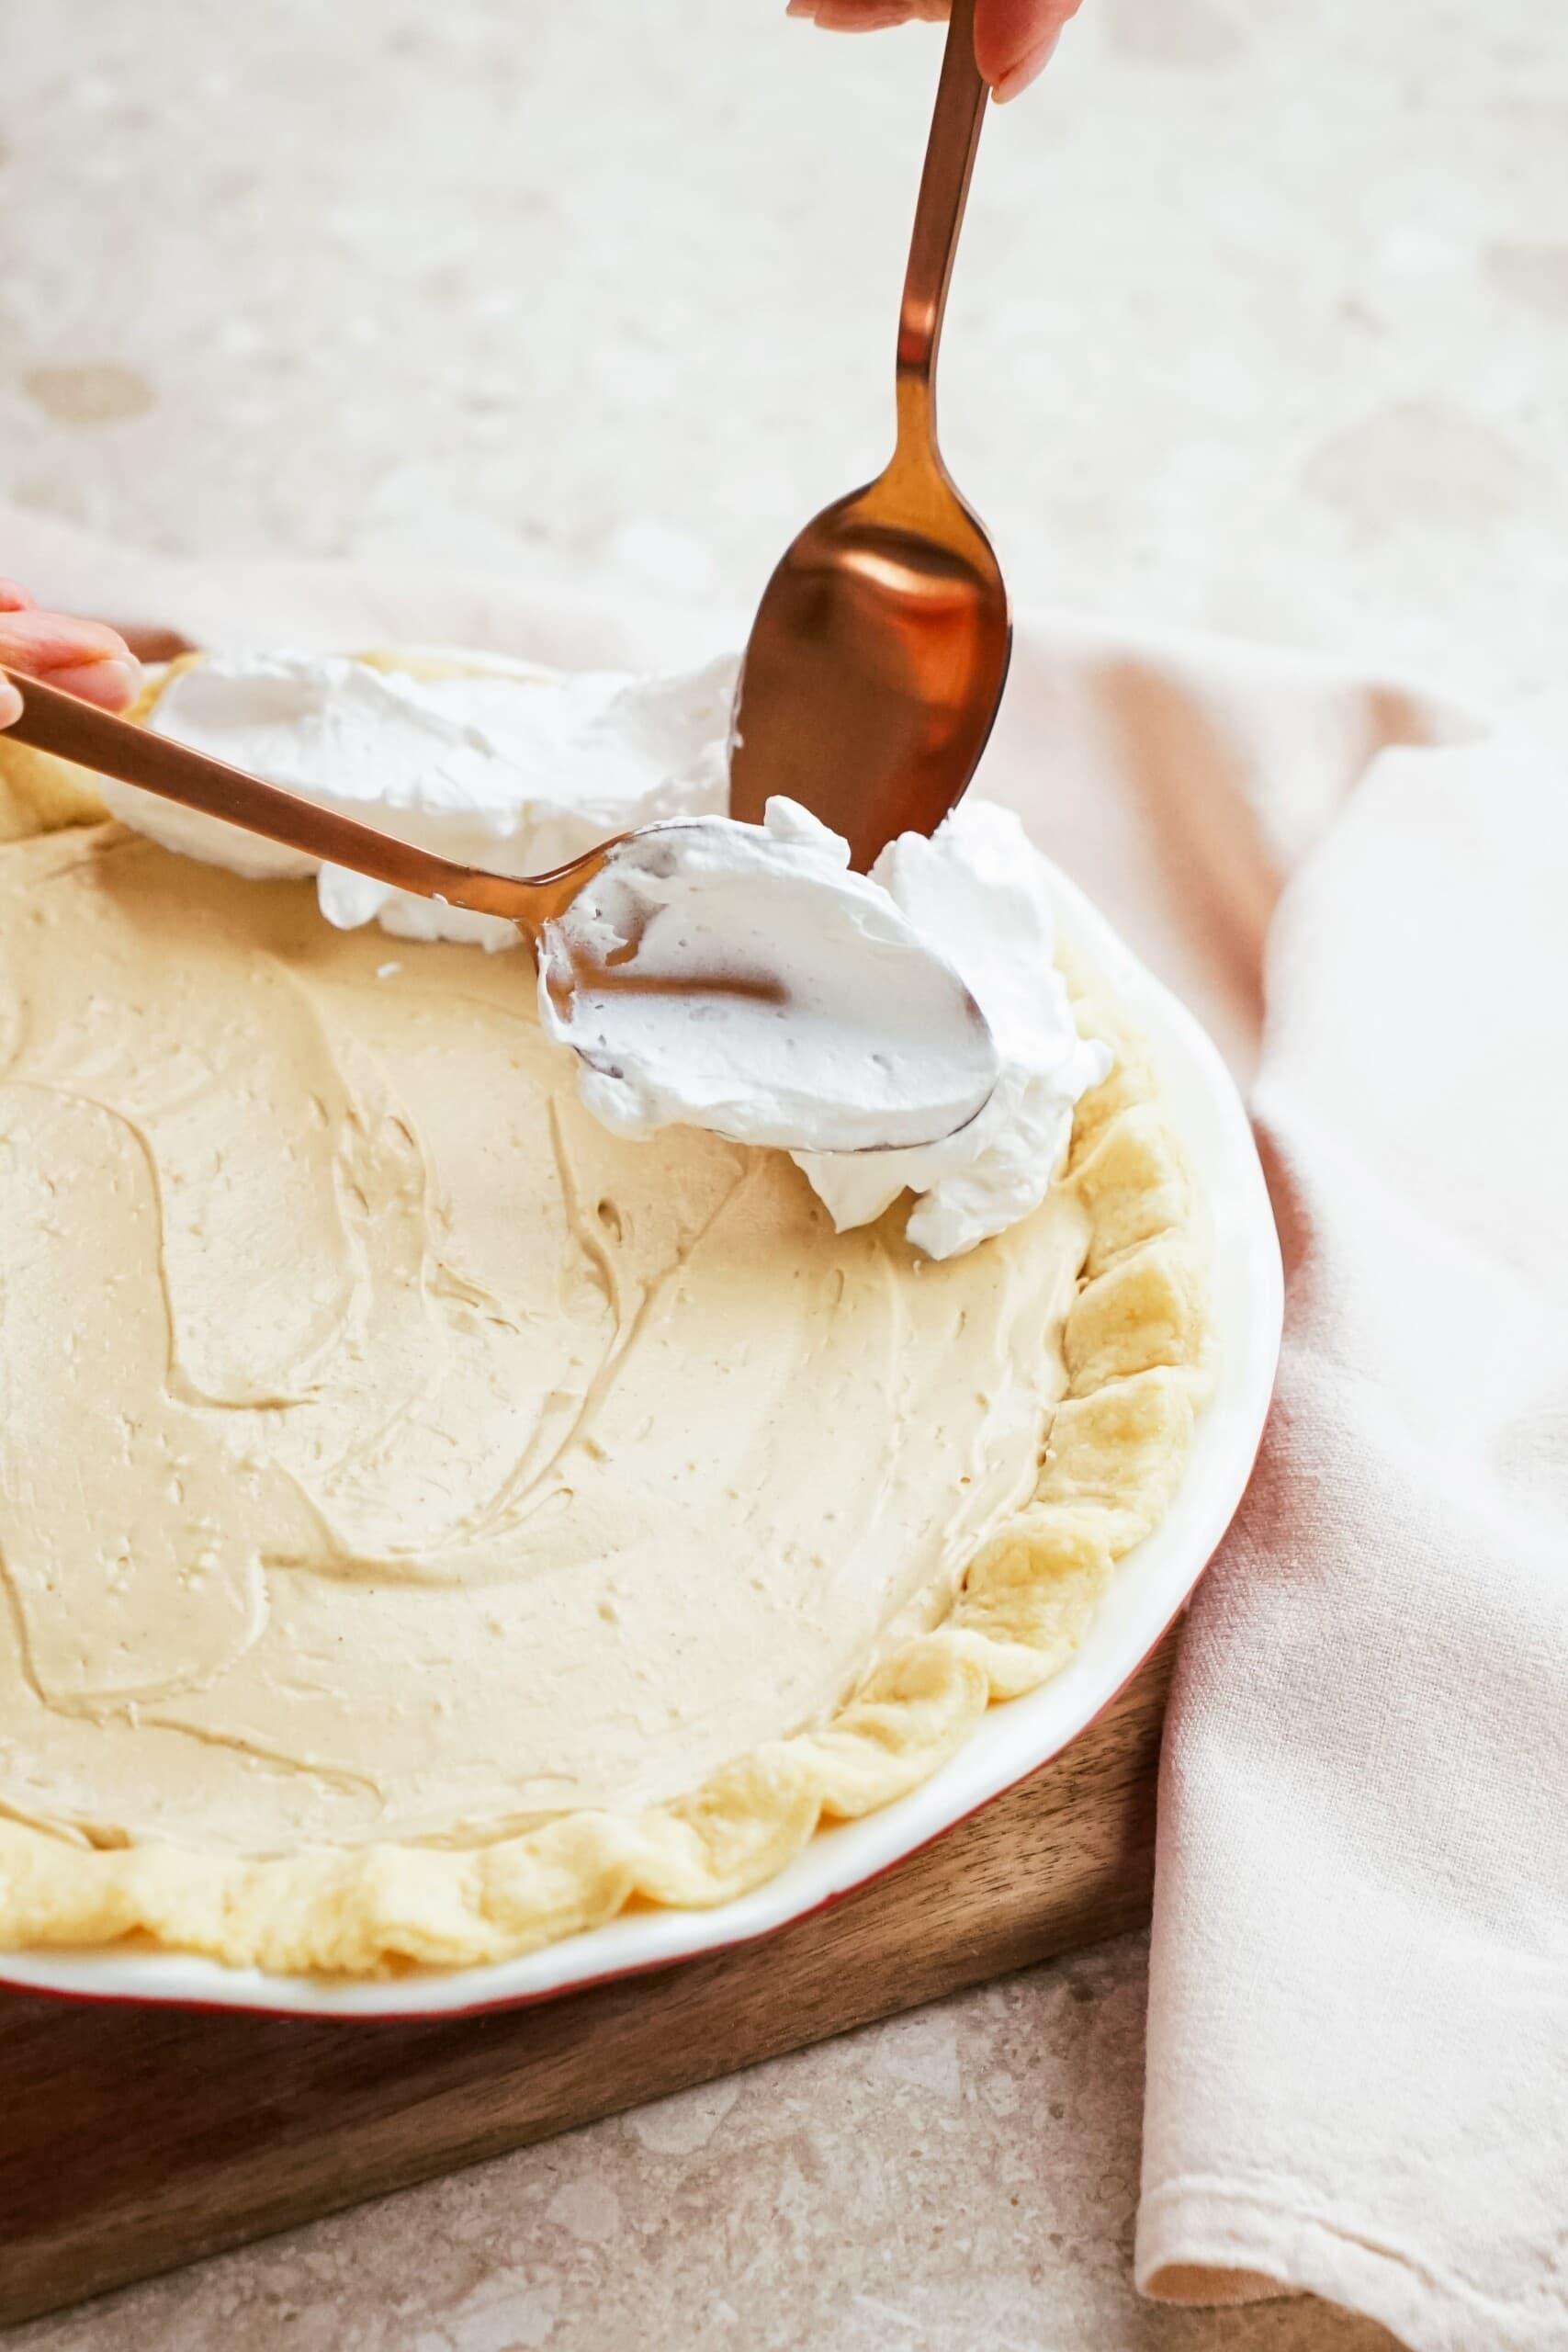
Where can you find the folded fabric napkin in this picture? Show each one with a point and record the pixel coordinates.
(1359, 2034)
(1357, 2068)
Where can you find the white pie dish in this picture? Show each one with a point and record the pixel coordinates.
(1148, 1589)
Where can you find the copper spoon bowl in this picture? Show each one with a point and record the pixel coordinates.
(878, 655)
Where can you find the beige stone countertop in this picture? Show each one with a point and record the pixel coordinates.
(1261, 324)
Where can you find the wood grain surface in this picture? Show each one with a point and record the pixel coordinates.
(136, 2139)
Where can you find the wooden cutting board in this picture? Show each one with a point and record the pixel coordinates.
(135, 2139)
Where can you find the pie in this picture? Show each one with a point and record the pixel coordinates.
(431, 1524)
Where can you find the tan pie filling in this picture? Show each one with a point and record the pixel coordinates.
(394, 1462)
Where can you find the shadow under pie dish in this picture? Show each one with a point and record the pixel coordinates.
(433, 1523)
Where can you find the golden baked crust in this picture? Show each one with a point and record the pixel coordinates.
(1135, 1346)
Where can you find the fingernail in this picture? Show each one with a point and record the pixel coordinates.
(801, 8)
(1019, 77)
(10, 703)
(110, 684)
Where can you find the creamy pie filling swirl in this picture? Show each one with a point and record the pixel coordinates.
(390, 1451)
(429, 1520)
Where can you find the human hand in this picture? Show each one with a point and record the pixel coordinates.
(1013, 39)
(83, 657)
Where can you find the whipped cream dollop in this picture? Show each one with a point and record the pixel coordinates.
(522, 772)
(979, 891)
(740, 977)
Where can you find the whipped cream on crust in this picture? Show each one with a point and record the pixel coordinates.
(523, 774)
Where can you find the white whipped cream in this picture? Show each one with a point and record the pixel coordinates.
(522, 773)
(980, 892)
(740, 977)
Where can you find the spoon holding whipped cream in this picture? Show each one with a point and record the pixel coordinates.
(748, 977)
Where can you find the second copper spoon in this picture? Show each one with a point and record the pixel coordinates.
(877, 658)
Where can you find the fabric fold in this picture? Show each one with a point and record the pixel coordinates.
(1358, 2077)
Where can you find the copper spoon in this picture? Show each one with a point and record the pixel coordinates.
(72, 729)
(877, 657)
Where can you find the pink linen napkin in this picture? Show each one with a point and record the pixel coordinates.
(1358, 2046)
(1358, 2065)
(1359, 2030)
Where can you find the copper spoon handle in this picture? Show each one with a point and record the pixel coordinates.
(73, 730)
(956, 118)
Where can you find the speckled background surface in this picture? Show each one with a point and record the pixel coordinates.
(1261, 323)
